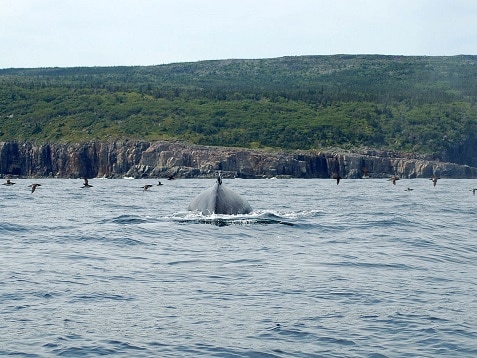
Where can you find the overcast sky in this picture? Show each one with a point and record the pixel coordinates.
(66, 33)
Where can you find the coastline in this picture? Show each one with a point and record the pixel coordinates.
(137, 159)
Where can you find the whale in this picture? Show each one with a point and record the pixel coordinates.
(219, 199)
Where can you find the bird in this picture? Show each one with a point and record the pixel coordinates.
(171, 177)
(434, 180)
(337, 177)
(159, 183)
(473, 191)
(147, 186)
(394, 178)
(34, 186)
(409, 189)
(86, 184)
(365, 173)
(8, 182)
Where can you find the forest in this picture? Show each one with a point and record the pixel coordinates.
(412, 104)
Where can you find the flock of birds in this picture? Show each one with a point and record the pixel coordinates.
(32, 186)
(86, 184)
(393, 179)
(335, 176)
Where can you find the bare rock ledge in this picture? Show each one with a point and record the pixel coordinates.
(162, 159)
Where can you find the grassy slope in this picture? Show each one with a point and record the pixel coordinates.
(418, 104)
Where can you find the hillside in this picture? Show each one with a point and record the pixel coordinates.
(423, 105)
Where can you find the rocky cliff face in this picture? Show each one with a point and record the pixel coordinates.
(464, 153)
(161, 159)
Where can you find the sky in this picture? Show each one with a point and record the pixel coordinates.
(70, 33)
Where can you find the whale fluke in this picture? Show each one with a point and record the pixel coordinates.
(219, 200)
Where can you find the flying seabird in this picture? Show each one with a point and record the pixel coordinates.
(171, 177)
(147, 186)
(409, 189)
(159, 183)
(473, 191)
(86, 184)
(8, 182)
(394, 178)
(337, 177)
(33, 187)
(434, 180)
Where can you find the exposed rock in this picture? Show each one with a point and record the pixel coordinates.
(161, 159)
(464, 153)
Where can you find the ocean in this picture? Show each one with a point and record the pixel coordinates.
(360, 269)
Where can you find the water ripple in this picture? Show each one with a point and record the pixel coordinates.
(362, 269)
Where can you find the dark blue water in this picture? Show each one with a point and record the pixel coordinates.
(359, 269)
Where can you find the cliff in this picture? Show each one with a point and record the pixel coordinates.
(162, 158)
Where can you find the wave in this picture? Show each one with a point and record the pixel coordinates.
(256, 218)
(12, 228)
(127, 219)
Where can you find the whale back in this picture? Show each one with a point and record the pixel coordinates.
(220, 200)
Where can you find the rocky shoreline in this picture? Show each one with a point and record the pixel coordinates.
(182, 160)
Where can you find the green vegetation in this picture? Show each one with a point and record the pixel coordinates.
(413, 104)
